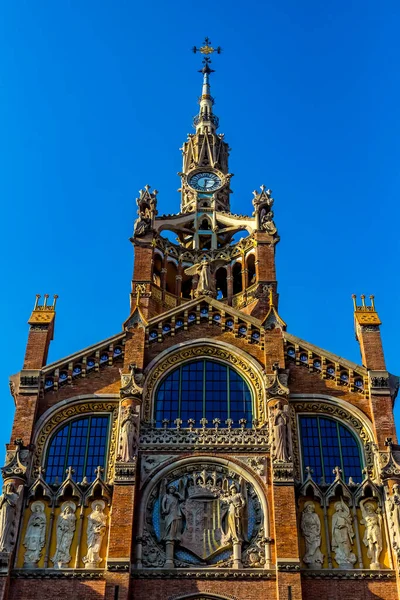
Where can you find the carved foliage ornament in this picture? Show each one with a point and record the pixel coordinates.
(76, 410)
(243, 366)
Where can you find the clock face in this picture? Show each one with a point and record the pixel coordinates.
(205, 182)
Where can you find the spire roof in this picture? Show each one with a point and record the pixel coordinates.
(206, 120)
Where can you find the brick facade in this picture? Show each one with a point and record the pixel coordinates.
(233, 525)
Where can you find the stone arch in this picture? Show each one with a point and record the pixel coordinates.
(203, 596)
(244, 363)
(240, 469)
(69, 409)
(337, 409)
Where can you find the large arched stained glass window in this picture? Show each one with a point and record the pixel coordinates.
(81, 444)
(203, 389)
(327, 444)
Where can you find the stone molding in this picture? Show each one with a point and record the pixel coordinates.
(201, 573)
(62, 416)
(227, 353)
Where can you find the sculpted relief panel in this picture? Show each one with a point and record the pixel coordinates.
(202, 515)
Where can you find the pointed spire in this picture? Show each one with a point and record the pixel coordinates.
(206, 120)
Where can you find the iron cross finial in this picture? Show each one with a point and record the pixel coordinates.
(206, 49)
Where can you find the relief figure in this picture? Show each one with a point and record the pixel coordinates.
(281, 437)
(311, 529)
(236, 504)
(35, 535)
(128, 436)
(96, 529)
(342, 536)
(8, 507)
(66, 524)
(171, 513)
(372, 520)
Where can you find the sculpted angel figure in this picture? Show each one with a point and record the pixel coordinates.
(372, 520)
(171, 512)
(311, 530)
(206, 284)
(35, 534)
(342, 536)
(66, 524)
(143, 224)
(8, 505)
(96, 529)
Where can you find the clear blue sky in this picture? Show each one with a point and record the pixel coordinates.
(96, 99)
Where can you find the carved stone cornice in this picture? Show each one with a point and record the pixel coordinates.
(118, 565)
(202, 573)
(57, 574)
(220, 440)
(125, 473)
(290, 565)
(282, 473)
(348, 574)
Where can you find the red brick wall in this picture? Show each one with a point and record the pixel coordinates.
(166, 589)
(349, 590)
(28, 589)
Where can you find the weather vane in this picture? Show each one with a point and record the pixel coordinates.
(206, 49)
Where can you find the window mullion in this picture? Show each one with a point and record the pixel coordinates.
(67, 452)
(204, 389)
(228, 392)
(320, 450)
(180, 392)
(87, 446)
(340, 450)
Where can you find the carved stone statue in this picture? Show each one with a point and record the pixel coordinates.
(66, 524)
(281, 437)
(172, 514)
(143, 224)
(311, 530)
(372, 520)
(236, 504)
(96, 529)
(8, 507)
(266, 221)
(128, 435)
(342, 536)
(35, 534)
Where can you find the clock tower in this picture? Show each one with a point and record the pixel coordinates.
(202, 451)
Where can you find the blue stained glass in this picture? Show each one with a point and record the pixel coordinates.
(327, 444)
(80, 444)
(204, 389)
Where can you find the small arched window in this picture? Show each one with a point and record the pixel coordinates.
(326, 444)
(81, 444)
(203, 389)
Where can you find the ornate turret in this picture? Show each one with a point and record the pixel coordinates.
(205, 260)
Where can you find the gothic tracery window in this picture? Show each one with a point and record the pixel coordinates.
(81, 444)
(203, 389)
(326, 444)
